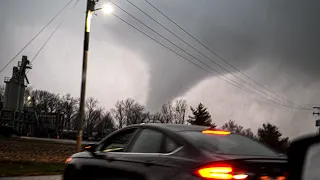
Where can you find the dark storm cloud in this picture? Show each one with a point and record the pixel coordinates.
(243, 32)
(276, 41)
(286, 31)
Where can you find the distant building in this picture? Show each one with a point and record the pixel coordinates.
(23, 116)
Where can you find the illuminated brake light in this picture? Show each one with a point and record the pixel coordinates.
(276, 178)
(240, 176)
(219, 172)
(215, 132)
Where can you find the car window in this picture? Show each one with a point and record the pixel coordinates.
(118, 142)
(228, 144)
(169, 145)
(148, 141)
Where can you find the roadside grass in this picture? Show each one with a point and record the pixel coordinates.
(21, 168)
(23, 157)
(41, 141)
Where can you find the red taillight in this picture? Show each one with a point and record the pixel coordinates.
(276, 178)
(220, 171)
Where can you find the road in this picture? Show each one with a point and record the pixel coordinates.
(56, 177)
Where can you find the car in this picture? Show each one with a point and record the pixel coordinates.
(303, 157)
(175, 152)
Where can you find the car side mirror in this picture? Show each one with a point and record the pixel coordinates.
(304, 158)
(90, 147)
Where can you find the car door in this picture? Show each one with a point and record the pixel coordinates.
(110, 153)
(146, 152)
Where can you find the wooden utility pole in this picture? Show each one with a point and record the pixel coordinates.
(90, 9)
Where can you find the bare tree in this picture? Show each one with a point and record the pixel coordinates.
(232, 126)
(167, 113)
(70, 109)
(135, 112)
(172, 112)
(155, 117)
(45, 101)
(106, 125)
(54, 104)
(119, 113)
(128, 110)
(179, 107)
(93, 114)
(2, 91)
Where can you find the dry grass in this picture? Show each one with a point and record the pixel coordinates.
(32, 157)
(21, 168)
(34, 151)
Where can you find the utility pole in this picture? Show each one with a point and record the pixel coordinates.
(90, 9)
(317, 120)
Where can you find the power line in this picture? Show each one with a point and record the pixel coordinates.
(205, 64)
(200, 52)
(53, 32)
(190, 54)
(51, 35)
(216, 54)
(36, 35)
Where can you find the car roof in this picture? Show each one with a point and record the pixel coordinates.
(175, 127)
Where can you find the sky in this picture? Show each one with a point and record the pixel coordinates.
(273, 42)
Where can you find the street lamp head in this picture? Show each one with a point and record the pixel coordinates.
(107, 8)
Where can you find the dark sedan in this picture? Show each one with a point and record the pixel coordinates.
(175, 152)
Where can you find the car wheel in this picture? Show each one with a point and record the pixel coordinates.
(71, 174)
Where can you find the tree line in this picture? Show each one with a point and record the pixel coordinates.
(127, 112)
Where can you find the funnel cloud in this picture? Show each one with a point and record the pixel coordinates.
(274, 42)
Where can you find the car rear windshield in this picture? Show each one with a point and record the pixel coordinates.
(232, 144)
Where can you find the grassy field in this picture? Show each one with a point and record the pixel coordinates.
(32, 157)
(20, 168)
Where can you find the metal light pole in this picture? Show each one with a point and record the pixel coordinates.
(89, 11)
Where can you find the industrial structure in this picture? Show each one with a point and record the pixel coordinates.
(317, 120)
(19, 112)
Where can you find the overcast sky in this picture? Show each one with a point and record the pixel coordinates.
(274, 42)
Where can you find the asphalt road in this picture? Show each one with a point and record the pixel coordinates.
(56, 177)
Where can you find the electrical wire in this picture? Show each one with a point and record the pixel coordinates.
(216, 54)
(201, 52)
(240, 87)
(53, 32)
(36, 36)
(197, 58)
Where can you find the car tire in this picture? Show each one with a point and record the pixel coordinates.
(71, 174)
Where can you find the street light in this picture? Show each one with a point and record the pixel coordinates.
(89, 10)
(107, 8)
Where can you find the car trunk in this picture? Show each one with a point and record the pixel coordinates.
(257, 167)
